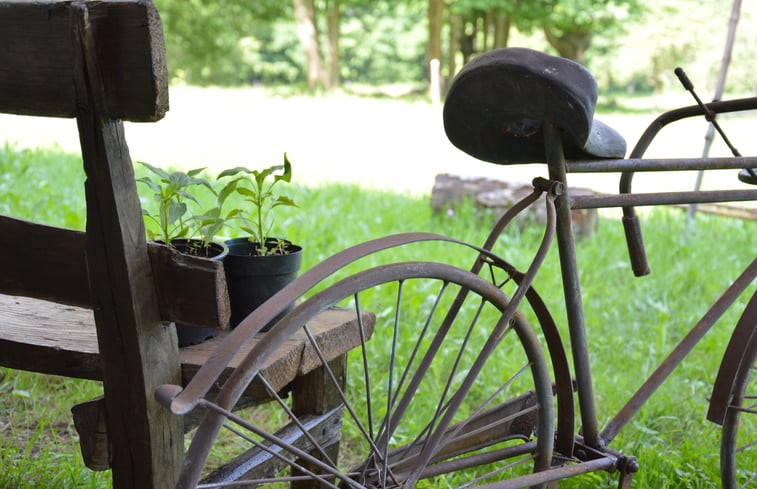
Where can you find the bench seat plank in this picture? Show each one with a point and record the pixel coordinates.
(57, 339)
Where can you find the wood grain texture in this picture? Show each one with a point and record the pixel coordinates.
(47, 262)
(90, 420)
(49, 338)
(37, 59)
(46, 337)
(336, 331)
(137, 352)
(191, 290)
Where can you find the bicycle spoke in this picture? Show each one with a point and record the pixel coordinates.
(275, 453)
(497, 471)
(442, 404)
(418, 372)
(294, 418)
(366, 371)
(342, 395)
(274, 441)
(402, 406)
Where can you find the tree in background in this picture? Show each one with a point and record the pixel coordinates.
(307, 32)
(570, 25)
(208, 42)
(372, 42)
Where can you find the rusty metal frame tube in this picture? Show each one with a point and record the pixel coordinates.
(571, 288)
(679, 352)
(662, 198)
(722, 389)
(631, 224)
(667, 164)
(608, 463)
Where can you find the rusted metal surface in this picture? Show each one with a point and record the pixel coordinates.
(561, 368)
(634, 237)
(668, 164)
(732, 359)
(663, 198)
(679, 352)
(572, 289)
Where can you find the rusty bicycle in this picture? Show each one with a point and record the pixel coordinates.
(449, 378)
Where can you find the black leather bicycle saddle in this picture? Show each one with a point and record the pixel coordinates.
(497, 104)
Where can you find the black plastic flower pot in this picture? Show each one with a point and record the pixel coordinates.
(252, 279)
(187, 334)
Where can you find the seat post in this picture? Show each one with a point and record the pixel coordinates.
(571, 286)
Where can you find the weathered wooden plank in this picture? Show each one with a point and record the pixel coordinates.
(335, 330)
(138, 353)
(191, 290)
(43, 262)
(37, 59)
(49, 263)
(50, 338)
(90, 420)
(57, 339)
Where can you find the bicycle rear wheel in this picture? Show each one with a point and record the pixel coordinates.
(446, 382)
(738, 447)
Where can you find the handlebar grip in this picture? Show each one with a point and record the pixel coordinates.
(635, 241)
(684, 79)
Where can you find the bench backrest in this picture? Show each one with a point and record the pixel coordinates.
(38, 60)
(101, 62)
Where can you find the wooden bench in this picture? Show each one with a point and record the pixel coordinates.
(99, 304)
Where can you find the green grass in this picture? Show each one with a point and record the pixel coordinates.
(632, 323)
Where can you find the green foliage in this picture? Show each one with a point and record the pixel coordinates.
(256, 189)
(631, 323)
(56, 195)
(172, 192)
(383, 42)
(208, 42)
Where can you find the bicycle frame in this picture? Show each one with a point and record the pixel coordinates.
(558, 169)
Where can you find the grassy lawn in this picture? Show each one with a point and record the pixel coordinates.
(393, 155)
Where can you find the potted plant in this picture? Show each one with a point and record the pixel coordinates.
(176, 226)
(258, 265)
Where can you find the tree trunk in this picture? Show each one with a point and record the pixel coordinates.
(435, 19)
(501, 30)
(488, 23)
(454, 44)
(332, 49)
(304, 16)
(571, 45)
(468, 37)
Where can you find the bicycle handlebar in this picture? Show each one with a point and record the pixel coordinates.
(631, 224)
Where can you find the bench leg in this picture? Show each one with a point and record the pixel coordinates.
(316, 394)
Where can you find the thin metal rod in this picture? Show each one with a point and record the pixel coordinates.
(366, 371)
(416, 350)
(564, 472)
(662, 198)
(669, 164)
(339, 390)
(399, 412)
(497, 471)
(495, 337)
(679, 353)
(275, 454)
(571, 287)
(442, 405)
(276, 441)
(389, 391)
(296, 420)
